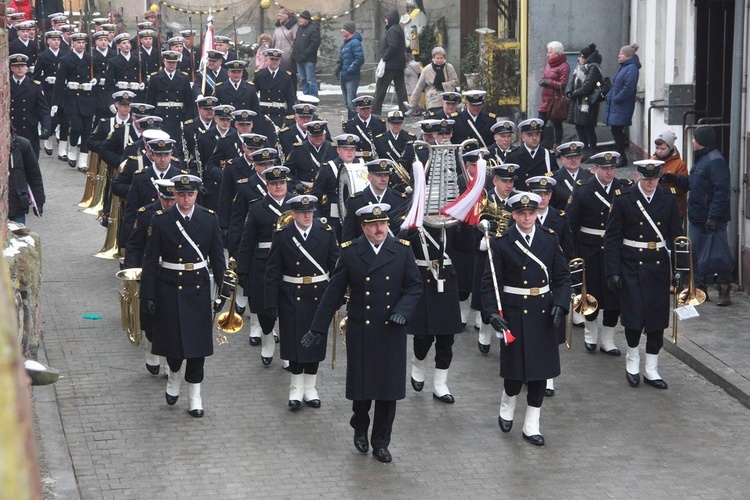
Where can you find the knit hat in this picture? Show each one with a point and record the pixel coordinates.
(305, 15)
(629, 50)
(705, 136)
(350, 26)
(587, 51)
(667, 137)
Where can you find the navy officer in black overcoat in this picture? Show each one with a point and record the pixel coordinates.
(302, 257)
(533, 282)
(531, 158)
(385, 290)
(275, 88)
(570, 175)
(640, 230)
(176, 287)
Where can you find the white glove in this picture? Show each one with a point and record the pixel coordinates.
(93, 81)
(141, 86)
(101, 81)
(53, 111)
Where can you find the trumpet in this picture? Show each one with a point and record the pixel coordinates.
(229, 321)
(130, 307)
(582, 303)
(496, 215)
(690, 296)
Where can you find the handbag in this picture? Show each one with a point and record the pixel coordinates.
(558, 109)
(715, 256)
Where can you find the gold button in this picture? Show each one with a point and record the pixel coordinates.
(657, 262)
(179, 273)
(388, 306)
(179, 287)
(179, 246)
(602, 224)
(658, 223)
(544, 281)
(367, 322)
(640, 262)
(525, 311)
(299, 287)
(197, 287)
(298, 263)
(179, 260)
(525, 297)
(524, 268)
(367, 307)
(428, 280)
(315, 287)
(367, 279)
(641, 223)
(543, 311)
(367, 293)
(387, 278)
(387, 293)
(315, 299)
(640, 249)
(298, 299)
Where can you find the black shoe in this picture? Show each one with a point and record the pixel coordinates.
(48, 152)
(72, 163)
(382, 454)
(536, 439)
(294, 404)
(445, 398)
(266, 361)
(313, 403)
(239, 310)
(612, 352)
(152, 369)
(463, 325)
(62, 157)
(171, 400)
(484, 349)
(724, 298)
(197, 413)
(276, 338)
(254, 341)
(505, 425)
(548, 393)
(590, 347)
(633, 380)
(656, 384)
(360, 442)
(417, 386)
(476, 328)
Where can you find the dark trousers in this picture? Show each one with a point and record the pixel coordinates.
(61, 119)
(193, 369)
(654, 340)
(443, 349)
(557, 127)
(80, 128)
(266, 323)
(610, 317)
(381, 87)
(618, 134)
(587, 135)
(385, 412)
(299, 368)
(534, 390)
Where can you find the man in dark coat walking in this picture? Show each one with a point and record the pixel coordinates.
(531, 157)
(24, 181)
(302, 256)
(385, 290)
(305, 52)
(393, 54)
(533, 282)
(176, 287)
(641, 229)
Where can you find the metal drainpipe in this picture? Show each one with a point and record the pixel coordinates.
(735, 132)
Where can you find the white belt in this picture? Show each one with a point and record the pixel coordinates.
(305, 280)
(123, 85)
(651, 245)
(169, 104)
(273, 104)
(78, 86)
(264, 244)
(50, 79)
(184, 267)
(334, 211)
(595, 232)
(526, 291)
(429, 263)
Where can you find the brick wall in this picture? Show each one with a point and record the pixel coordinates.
(4, 124)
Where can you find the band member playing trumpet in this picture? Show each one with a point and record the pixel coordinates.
(588, 212)
(302, 256)
(176, 288)
(533, 281)
(640, 230)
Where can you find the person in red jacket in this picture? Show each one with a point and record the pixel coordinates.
(554, 81)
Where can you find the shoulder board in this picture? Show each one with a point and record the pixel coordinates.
(406, 243)
(154, 73)
(492, 115)
(160, 212)
(142, 209)
(230, 162)
(219, 84)
(297, 144)
(382, 120)
(283, 129)
(208, 210)
(37, 82)
(347, 243)
(549, 230)
(627, 182)
(356, 195)
(255, 200)
(243, 181)
(403, 195)
(289, 73)
(183, 171)
(561, 213)
(618, 192)
(455, 113)
(409, 134)
(579, 183)
(289, 117)
(188, 122)
(250, 82)
(378, 136)
(549, 174)
(105, 119)
(673, 190)
(140, 171)
(183, 73)
(257, 71)
(411, 141)
(132, 157)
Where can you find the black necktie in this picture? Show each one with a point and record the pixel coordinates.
(187, 218)
(528, 239)
(532, 152)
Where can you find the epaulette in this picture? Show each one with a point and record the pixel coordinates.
(208, 210)
(159, 212)
(561, 213)
(140, 171)
(357, 194)
(378, 136)
(250, 82)
(142, 209)
(627, 182)
(243, 181)
(133, 157)
(289, 73)
(283, 129)
(549, 174)
(184, 73)
(229, 162)
(174, 158)
(455, 113)
(257, 71)
(579, 183)
(297, 144)
(288, 117)
(382, 120)
(219, 84)
(403, 195)
(492, 115)
(673, 190)
(256, 199)
(347, 243)
(409, 134)
(410, 141)
(188, 122)
(184, 171)
(406, 243)
(549, 230)
(37, 82)
(618, 192)
(105, 119)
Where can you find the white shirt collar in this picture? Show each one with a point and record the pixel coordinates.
(187, 215)
(647, 197)
(379, 198)
(541, 217)
(606, 187)
(523, 235)
(304, 232)
(377, 248)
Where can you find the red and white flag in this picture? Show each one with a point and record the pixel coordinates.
(208, 42)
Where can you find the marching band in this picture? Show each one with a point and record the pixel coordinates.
(194, 164)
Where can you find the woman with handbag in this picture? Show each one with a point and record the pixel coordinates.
(437, 77)
(584, 96)
(553, 106)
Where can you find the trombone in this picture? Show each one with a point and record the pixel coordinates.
(690, 296)
(229, 321)
(583, 303)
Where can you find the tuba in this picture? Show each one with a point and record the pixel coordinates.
(497, 215)
(583, 303)
(130, 307)
(91, 188)
(690, 296)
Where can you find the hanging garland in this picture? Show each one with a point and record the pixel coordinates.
(193, 12)
(328, 18)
